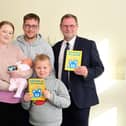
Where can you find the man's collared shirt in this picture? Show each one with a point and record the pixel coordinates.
(61, 55)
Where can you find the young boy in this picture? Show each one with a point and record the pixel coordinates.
(50, 112)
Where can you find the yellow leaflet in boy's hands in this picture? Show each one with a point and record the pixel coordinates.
(36, 87)
(73, 59)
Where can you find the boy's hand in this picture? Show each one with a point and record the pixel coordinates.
(27, 97)
(47, 94)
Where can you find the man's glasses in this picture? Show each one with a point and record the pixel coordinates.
(27, 26)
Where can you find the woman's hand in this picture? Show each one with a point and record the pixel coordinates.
(19, 73)
(4, 85)
(14, 74)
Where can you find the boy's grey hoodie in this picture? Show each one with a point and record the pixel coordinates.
(50, 113)
(37, 47)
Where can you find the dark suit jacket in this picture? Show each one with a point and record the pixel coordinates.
(83, 90)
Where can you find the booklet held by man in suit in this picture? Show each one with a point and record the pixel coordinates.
(36, 87)
(73, 59)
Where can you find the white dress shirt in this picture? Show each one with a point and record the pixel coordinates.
(61, 55)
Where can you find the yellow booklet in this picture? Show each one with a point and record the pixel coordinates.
(36, 87)
(73, 59)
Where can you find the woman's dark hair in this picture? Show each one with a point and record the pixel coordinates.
(8, 23)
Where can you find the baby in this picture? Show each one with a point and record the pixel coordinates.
(19, 83)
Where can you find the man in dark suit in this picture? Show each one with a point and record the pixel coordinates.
(80, 82)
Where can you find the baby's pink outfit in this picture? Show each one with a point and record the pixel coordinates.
(19, 84)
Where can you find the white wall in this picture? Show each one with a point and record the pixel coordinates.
(112, 108)
(98, 20)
